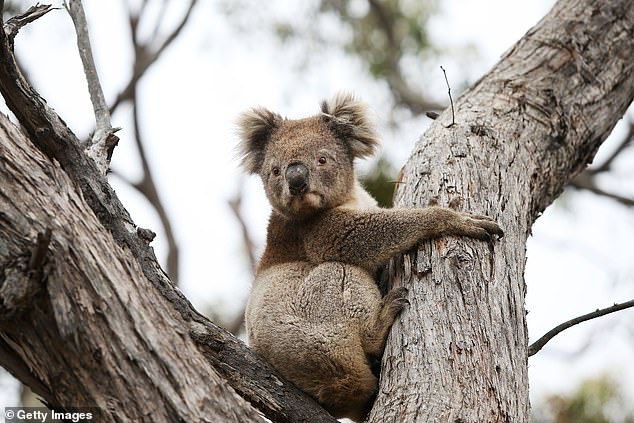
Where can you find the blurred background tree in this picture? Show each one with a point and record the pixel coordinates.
(596, 400)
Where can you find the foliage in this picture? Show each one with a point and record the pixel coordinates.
(384, 32)
(389, 37)
(596, 400)
(380, 182)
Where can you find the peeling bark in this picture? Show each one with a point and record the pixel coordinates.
(88, 318)
(93, 331)
(82, 325)
(459, 353)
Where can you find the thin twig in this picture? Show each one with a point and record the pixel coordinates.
(14, 24)
(539, 344)
(144, 58)
(586, 181)
(626, 141)
(103, 140)
(453, 116)
(147, 187)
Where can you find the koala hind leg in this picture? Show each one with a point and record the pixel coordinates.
(351, 394)
(379, 325)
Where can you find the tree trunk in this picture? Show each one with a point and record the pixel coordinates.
(459, 353)
(79, 312)
(87, 318)
(83, 326)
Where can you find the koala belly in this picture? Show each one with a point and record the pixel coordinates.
(312, 323)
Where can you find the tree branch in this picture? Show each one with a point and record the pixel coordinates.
(106, 285)
(585, 181)
(466, 360)
(144, 58)
(147, 187)
(234, 325)
(626, 141)
(539, 344)
(104, 140)
(13, 25)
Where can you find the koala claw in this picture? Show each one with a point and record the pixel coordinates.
(397, 298)
(484, 227)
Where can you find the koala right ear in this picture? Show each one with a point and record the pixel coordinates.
(348, 119)
(255, 129)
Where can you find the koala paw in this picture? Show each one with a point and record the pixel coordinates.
(481, 227)
(396, 299)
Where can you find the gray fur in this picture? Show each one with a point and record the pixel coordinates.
(347, 117)
(256, 127)
(315, 311)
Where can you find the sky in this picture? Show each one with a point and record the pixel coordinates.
(580, 254)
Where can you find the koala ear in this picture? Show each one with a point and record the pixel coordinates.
(255, 128)
(347, 118)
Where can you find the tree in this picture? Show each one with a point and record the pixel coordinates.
(88, 318)
(521, 133)
(596, 400)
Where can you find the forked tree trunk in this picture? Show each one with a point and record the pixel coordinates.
(459, 353)
(87, 318)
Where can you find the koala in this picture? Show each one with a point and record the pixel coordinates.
(315, 311)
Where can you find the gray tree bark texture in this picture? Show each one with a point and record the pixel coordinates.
(83, 326)
(459, 353)
(87, 318)
(85, 321)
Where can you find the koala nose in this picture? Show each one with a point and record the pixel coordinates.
(297, 178)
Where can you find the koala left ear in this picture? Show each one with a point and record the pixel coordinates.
(255, 129)
(347, 118)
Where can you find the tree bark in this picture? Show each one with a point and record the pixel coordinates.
(83, 326)
(87, 317)
(459, 353)
(86, 322)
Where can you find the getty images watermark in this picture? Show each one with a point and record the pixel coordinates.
(43, 414)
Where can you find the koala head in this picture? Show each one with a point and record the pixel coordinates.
(306, 165)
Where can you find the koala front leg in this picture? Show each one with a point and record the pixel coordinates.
(369, 238)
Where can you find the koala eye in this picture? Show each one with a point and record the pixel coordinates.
(322, 160)
(276, 171)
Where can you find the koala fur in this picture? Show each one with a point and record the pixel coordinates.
(315, 311)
